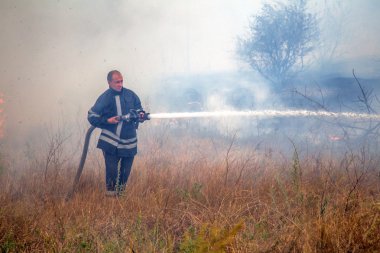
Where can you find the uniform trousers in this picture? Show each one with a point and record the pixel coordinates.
(117, 171)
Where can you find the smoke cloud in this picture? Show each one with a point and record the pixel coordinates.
(56, 54)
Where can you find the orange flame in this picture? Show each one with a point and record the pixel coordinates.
(2, 101)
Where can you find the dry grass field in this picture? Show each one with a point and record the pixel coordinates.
(197, 195)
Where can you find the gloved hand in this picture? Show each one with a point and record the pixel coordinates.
(142, 115)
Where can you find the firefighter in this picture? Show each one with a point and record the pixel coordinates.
(118, 139)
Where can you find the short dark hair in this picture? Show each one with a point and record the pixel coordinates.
(110, 74)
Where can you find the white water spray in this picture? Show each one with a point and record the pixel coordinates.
(266, 114)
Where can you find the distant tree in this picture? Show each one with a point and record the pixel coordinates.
(278, 40)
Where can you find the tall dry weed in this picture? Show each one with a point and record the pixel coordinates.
(198, 194)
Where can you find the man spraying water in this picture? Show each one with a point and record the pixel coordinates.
(117, 112)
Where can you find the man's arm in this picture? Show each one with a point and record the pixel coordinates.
(139, 110)
(137, 103)
(95, 114)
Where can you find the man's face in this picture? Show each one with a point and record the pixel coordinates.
(116, 82)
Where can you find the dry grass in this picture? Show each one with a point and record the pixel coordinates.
(181, 197)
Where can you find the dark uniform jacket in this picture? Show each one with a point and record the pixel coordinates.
(115, 139)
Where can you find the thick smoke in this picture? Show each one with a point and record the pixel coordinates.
(55, 55)
(1, 116)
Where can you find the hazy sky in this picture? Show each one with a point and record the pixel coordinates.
(55, 54)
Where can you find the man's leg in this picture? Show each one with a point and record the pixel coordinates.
(125, 170)
(112, 162)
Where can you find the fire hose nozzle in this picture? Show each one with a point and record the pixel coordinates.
(126, 117)
(142, 115)
(135, 116)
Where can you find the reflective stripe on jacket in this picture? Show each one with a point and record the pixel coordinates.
(118, 139)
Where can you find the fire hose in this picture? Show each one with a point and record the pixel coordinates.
(134, 116)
